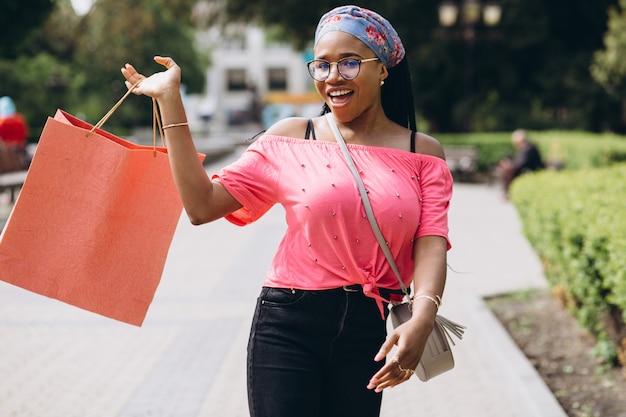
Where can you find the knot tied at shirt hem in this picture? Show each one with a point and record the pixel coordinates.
(371, 290)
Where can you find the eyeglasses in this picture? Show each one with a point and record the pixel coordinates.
(348, 68)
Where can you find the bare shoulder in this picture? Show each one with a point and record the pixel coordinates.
(428, 145)
(293, 127)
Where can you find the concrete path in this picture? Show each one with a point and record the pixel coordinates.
(188, 359)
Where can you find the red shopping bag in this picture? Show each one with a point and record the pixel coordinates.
(93, 222)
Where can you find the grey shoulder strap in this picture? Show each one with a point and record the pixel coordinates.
(366, 201)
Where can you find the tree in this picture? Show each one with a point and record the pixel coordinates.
(135, 31)
(40, 77)
(18, 18)
(609, 64)
(74, 62)
(532, 71)
(38, 85)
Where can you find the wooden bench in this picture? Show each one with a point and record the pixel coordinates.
(12, 181)
(462, 162)
(13, 169)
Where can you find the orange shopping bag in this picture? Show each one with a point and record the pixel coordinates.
(93, 222)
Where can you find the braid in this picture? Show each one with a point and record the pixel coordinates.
(396, 96)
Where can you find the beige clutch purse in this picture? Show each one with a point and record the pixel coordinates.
(437, 356)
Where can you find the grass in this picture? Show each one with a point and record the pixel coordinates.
(574, 149)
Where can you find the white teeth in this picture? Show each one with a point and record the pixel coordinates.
(339, 93)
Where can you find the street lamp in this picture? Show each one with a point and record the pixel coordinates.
(492, 12)
(448, 13)
(469, 16)
(470, 12)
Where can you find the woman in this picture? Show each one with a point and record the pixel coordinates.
(318, 339)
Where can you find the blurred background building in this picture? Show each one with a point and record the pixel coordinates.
(251, 79)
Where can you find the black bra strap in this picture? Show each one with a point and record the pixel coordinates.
(413, 141)
(309, 130)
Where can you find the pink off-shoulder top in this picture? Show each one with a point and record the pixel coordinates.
(329, 242)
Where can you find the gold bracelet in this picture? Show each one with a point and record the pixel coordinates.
(436, 299)
(432, 294)
(175, 125)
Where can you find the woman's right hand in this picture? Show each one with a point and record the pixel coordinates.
(158, 85)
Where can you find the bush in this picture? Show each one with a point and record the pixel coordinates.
(492, 147)
(575, 221)
(571, 149)
(38, 85)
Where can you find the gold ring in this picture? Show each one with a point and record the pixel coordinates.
(396, 360)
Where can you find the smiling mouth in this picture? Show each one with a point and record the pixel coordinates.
(340, 95)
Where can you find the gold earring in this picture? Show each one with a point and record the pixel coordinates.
(382, 82)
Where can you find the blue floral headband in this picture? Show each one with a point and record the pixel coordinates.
(369, 27)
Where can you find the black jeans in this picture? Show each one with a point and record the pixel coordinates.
(311, 354)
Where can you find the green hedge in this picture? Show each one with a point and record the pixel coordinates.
(492, 147)
(576, 221)
(573, 149)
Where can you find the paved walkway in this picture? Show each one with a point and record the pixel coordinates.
(188, 359)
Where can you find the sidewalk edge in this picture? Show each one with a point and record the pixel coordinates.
(520, 380)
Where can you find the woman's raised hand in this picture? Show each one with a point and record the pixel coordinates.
(157, 85)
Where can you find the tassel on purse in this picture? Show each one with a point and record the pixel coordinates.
(437, 356)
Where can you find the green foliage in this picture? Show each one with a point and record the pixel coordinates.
(57, 35)
(74, 62)
(147, 29)
(609, 64)
(39, 85)
(571, 149)
(579, 150)
(575, 221)
(492, 147)
(532, 70)
(18, 18)
(605, 350)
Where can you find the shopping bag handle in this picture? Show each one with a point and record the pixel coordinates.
(156, 119)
